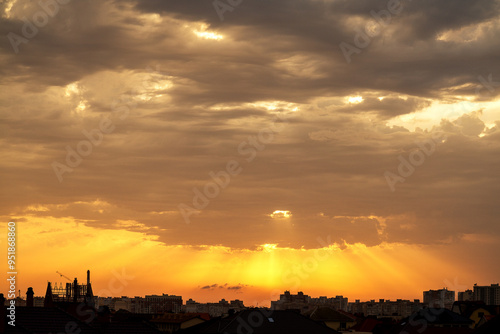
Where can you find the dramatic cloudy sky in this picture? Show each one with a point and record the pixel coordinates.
(355, 143)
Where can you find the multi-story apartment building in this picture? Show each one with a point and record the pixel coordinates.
(386, 308)
(214, 309)
(339, 302)
(442, 298)
(490, 295)
(464, 296)
(163, 303)
(288, 301)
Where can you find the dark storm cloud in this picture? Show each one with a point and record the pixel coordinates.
(327, 164)
(320, 26)
(91, 43)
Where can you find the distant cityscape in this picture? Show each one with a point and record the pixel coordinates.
(168, 312)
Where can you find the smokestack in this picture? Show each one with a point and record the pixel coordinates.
(29, 297)
(89, 295)
(75, 291)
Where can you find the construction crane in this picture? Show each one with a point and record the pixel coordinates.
(62, 275)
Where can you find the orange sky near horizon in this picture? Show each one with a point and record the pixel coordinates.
(116, 260)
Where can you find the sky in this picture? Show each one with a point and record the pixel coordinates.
(237, 149)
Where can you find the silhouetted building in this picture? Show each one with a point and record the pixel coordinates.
(38, 301)
(386, 308)
(29, 297)
(490, 295)
(435, 321)
(259, 321)
(475, 310)
(465, 296)
(330, 317)
(173, 322)
(288, 301)
(70, 292)
(43, 320)
(150, 304)
(339, 302)
(366, 325)
(439, 298)
(214, 309)
(163, 303)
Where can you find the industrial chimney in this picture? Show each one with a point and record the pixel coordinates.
(76, 291)
(29, 297)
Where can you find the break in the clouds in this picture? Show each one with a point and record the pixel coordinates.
(140, 103)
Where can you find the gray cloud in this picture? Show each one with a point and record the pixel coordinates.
(327, 163)
(224, 286)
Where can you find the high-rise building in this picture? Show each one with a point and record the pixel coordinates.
(163, 303)
(490, 295)
(288, 301)
(467, 295)
(442, 298)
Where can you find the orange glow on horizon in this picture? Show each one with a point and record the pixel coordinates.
(255, 276)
